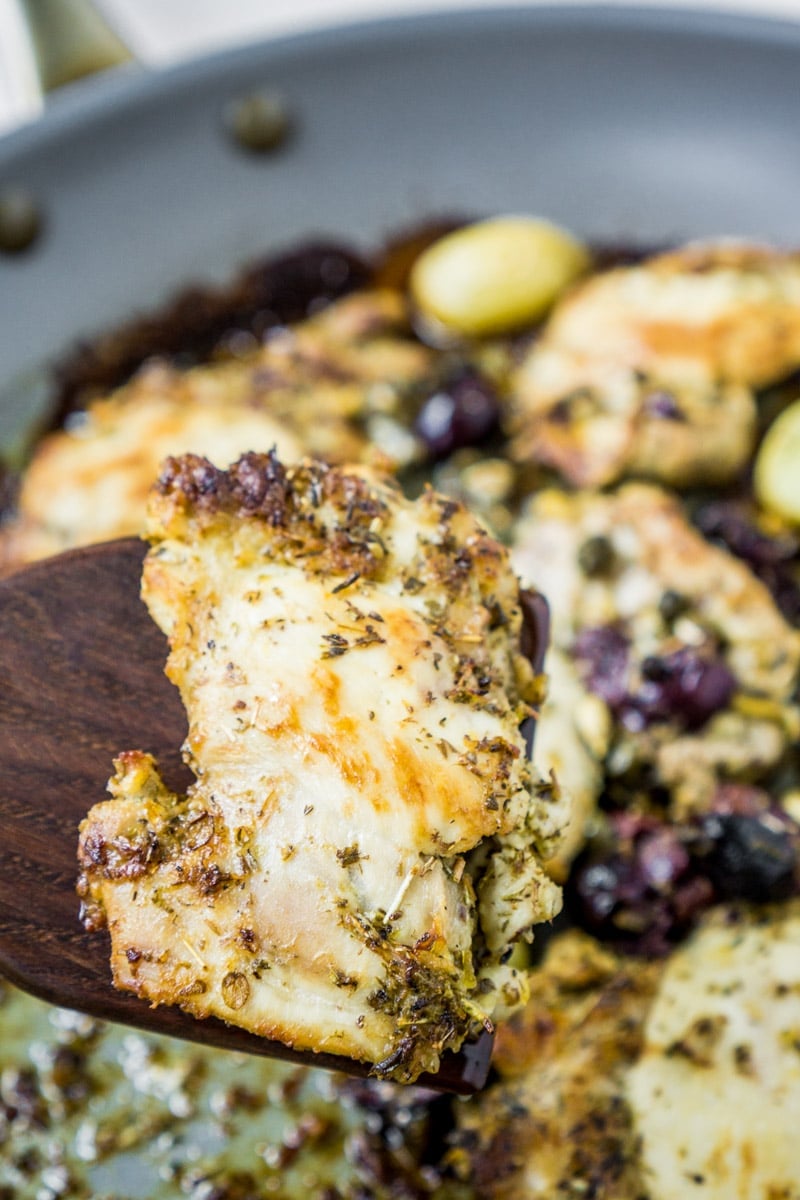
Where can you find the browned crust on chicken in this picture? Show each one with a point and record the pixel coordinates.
(365, 837)
(628, 1080)
(314, 388)
(558, 1123)
(724, 612)
(650, 370)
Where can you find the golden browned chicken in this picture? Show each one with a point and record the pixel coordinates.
(669, 655)
(329, 386)
(650, 370)
(628, 1080)
(365, 838)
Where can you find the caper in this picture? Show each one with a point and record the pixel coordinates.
(495, 276)
(596, 556)
(259, 122)
(673, 605)
(20, 221)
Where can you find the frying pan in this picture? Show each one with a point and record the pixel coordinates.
(626, 126)
(622, 124)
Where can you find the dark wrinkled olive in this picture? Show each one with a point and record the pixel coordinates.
(699, 687)
(260, 122)
(655, 669)
(461, 412)
(774, 560)
(686, 687)
(638, 885)
(295, 284)
(596, 556)
(750, 859)
(644, 882)
(603, 652)
(20, 221)
(596, 884)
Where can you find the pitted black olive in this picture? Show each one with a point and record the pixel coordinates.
(750, 858)
(461, 412)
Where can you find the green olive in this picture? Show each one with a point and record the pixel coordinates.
(495, 276)
(673, 605)
(777, 468)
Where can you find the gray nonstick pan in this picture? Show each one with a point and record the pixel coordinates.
(627, 126)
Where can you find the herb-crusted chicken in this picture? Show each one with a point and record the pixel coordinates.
(557, 1123)
(683, 647)
(90, 482)
(629, 1080)
(327, 387)
(651, 370)
(365, 837)
(716, 1088)
(364, 840)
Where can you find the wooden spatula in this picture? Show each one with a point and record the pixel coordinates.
(82, 677)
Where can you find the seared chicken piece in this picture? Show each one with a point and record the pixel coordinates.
(365, 838)
(626, 1080)
(558, 1123)
(595, 421)
(649, 370)
(309, 389)
(731, 307)
(90, 482)
(715, 1092)
(678, 640)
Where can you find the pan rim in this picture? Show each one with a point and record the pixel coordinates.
(101, 98)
